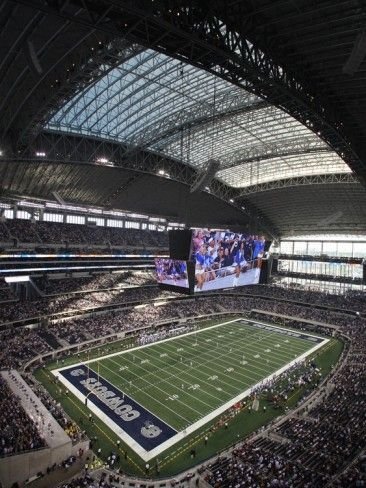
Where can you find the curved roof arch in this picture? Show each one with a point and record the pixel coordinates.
(155, 102)
(89, 70)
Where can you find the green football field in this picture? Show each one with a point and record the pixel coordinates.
(183, 379)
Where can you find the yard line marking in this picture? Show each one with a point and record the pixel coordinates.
(195, 379)
(216, 359)
(202, 421)
(265, 334)
(169, 339)
(158, 401)
(172, 386)
(186, 372)
(151, 384)
(201, 380)
(282, 357)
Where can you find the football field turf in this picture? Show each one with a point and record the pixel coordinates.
(185, 381)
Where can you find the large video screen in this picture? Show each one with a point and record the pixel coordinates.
(171, 272)
(225, 259)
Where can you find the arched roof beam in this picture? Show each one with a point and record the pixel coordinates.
(171, 127)
(15, 52)
(21, 102)
(200, 35)
(70, 148)
(125, 95)
(333, 179)
(88, 68)
(86, 104)
(232, 139)
(151, 88)
(290, 147)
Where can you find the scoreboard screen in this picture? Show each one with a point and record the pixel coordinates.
(225, 259)
(172, 272)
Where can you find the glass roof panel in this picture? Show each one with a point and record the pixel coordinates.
(230, 139)
(141, 91)
(155, 102)
(257, 172)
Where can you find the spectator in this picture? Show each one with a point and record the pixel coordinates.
(18, 432)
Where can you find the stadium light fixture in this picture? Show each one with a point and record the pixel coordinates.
(104, 161)
(162, 172)
(231, 200)
(40, 154)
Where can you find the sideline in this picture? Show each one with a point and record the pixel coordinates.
(148, 455)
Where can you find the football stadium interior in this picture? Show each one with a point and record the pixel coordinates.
(182, 243)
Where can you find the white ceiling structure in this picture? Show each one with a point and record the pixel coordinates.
(157, 103)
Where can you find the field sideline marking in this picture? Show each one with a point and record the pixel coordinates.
(205, 365)
(158, 401)
(184, 372)
(148, 345)
(95, 425)
(147, 455)
(199, 364)
(237, 352)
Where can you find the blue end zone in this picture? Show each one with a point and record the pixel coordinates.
(146, 429)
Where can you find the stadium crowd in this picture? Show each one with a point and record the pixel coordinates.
(62, 302)
(353, 300)
(66, 303)
(318, 443)
(70, 427)
(89, 481)
(19, 346)
(86, 236)
(310, 456)
(5, 292)
(94, 282)
(24, 342)
(250, 465)
(18, 432)
(354, 475)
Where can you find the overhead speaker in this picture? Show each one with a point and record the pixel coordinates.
(32, 58)
(58, 198)
(205, 176)
(357, 55)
